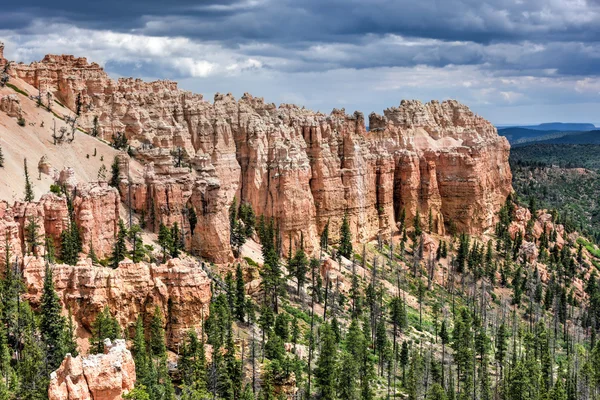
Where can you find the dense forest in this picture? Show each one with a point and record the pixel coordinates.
(472, 319)
(563, 177)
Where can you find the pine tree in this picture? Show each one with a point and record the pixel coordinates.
(345, 248)
(176, 241)
(240, 294)
(139, 351)
(462, 344)
(28, 187)
(404, 360)
(92, 254)
(299, 267)
(138, 251)
(157, 335)
(347, 377)
(115, 172)
(52, 324)
(119, 247)
(161, 387)
(324, 241)
(326, 364)
(33, 374)
(417, 225)
(165, 240)
(105, 326)
(31, 235)
(67, 248)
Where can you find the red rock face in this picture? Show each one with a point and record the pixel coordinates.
(181, 290)
(301, 167)
(96, 212)
(106, 376)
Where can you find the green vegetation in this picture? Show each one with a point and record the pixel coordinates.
(566, 188)
(16, 89)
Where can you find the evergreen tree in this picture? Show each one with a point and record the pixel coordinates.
(345, 248)
(119, 247)
(404, 360)
(53, 326)
(324, 241)
(299, 267)
(417, 225)
(240, 294)
(165, 240)
(115, 172)
(348, 377)
(28, 187)
(32, 235)
(176, 241)
(1, 158)
(139, 351)
(462, 344)
(32, 373)
(138, 251)
(105, 326)
(326, 364)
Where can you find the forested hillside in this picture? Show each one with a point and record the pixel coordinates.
(563, 177)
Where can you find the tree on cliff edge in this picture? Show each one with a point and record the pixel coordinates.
(28, 187)
(119, 248)
(53, 325)
(345, 248)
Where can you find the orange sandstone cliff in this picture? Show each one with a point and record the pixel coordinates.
(301, 167)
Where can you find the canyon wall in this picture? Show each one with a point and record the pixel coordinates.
(181, 289)
(95, 211)
(301, 167)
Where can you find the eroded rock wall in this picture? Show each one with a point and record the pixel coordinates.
(301, 167)
(95, 211)
(180, 289)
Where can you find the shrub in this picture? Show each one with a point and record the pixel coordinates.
(21, 121)
(56, 189)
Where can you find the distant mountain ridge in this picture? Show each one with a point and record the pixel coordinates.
(555, 126)
(549, 132)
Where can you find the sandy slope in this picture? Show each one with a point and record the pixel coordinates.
(34, 141)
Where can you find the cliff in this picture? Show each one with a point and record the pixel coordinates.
(301, 167)
(181, 289)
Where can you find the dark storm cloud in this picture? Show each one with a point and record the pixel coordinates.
(335, 20)
(356, 32)
(501, 52)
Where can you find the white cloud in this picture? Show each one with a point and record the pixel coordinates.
(187, 57)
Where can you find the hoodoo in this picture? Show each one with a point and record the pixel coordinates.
(303, 168)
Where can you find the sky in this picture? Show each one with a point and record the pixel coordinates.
(511, 61)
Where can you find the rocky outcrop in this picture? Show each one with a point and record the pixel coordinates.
(95, 211)
(105, 376)
(303, 168)
(181, 289)
(11, 105)
(543, 222)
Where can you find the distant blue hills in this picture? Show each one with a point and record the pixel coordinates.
(551, 133)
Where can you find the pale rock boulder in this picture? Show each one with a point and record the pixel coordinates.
(11, 105)
(105, 376)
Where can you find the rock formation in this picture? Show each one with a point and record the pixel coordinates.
(181, 290)
(105, 376)
(301, 167)
(95, 211)
(11, 105)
